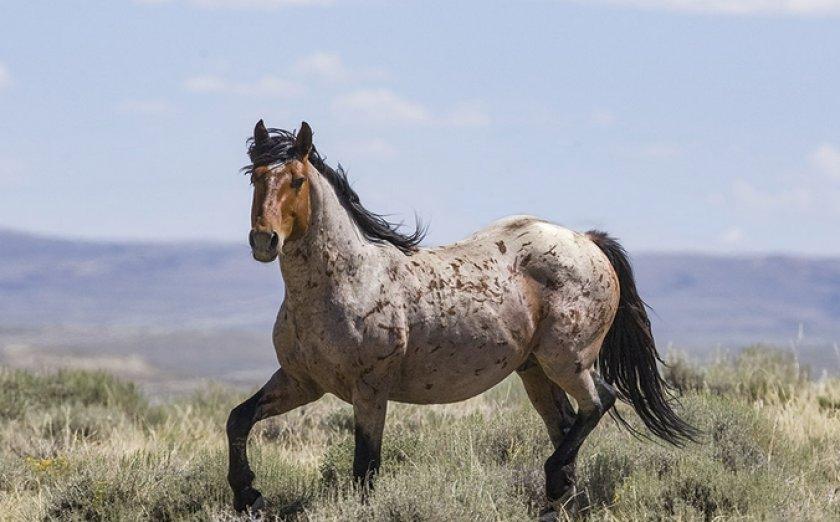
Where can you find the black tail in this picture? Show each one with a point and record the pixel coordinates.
(628, 359)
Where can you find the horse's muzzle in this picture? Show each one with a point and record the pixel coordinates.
(264, 245)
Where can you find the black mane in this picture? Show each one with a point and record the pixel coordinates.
(280, 148)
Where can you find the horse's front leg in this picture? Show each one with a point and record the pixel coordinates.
(370, 405)
(280, 394)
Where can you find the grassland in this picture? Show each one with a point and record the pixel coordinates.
(86, 446)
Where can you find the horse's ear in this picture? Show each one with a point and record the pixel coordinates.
(303, 141)
(260, 133)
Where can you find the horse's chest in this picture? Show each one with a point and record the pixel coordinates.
(334, 343)
(312, 355)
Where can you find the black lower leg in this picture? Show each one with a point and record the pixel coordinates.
(564, 407)
(366, 459)
(560, 466)
(240, 476)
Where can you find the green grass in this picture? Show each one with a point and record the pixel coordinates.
(85, 446)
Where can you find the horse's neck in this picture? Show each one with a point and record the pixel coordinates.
(332, 246)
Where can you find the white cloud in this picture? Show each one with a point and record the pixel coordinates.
(814, 191)
(602, 118)
(146, 107)
(826, 159)
(737, 7)
(327, 66)
(258, 4)
(732, 236)
(385, 106)
(772, 198)
(377, 147)
(731, 7)
(371, 104)
(331, 68)
(381, 105)
(661, 151)
(206, 83)
(653, 151)
(12, 172)
(241, 4)
(265, 86)
(368, 147)
(5, 77)
(468, 114)
(717, 199)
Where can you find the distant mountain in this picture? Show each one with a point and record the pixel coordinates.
(145, 299)
(736, 300)
(46, 281)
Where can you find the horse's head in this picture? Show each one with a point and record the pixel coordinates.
(280, 174)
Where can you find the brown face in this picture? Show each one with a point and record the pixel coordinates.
(280, 210)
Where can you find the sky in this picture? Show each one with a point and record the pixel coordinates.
(676, 125)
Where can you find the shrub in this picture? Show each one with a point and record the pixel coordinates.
(21, 391)
(85, 446)
(756, 373)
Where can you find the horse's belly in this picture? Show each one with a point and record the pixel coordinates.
(445, 388)
(463, 341)
(456, 369)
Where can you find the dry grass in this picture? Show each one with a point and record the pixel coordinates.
(84, 446)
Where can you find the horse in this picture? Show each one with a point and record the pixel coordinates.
(370, 317)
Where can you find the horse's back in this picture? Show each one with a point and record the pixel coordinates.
(562, 263)
(577, 285)
(534, 246)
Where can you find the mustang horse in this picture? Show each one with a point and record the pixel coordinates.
(369, 317)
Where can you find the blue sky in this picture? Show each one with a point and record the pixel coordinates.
(676, 125)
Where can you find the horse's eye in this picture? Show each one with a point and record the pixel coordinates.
(297, 182)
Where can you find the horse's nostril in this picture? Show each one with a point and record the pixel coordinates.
(274, 240)
(251, 239)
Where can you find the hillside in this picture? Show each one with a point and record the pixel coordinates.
(46, 281)
(205, 310)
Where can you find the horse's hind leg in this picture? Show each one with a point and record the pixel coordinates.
(548, 399)
(594, 397)
(280, 394)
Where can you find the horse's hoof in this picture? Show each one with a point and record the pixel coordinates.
(567, 503)
(258, 504)
(248, 500)
(571, 504)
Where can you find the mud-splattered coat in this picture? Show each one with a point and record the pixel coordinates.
(445, 323)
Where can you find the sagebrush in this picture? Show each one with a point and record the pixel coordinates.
(86, 446)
